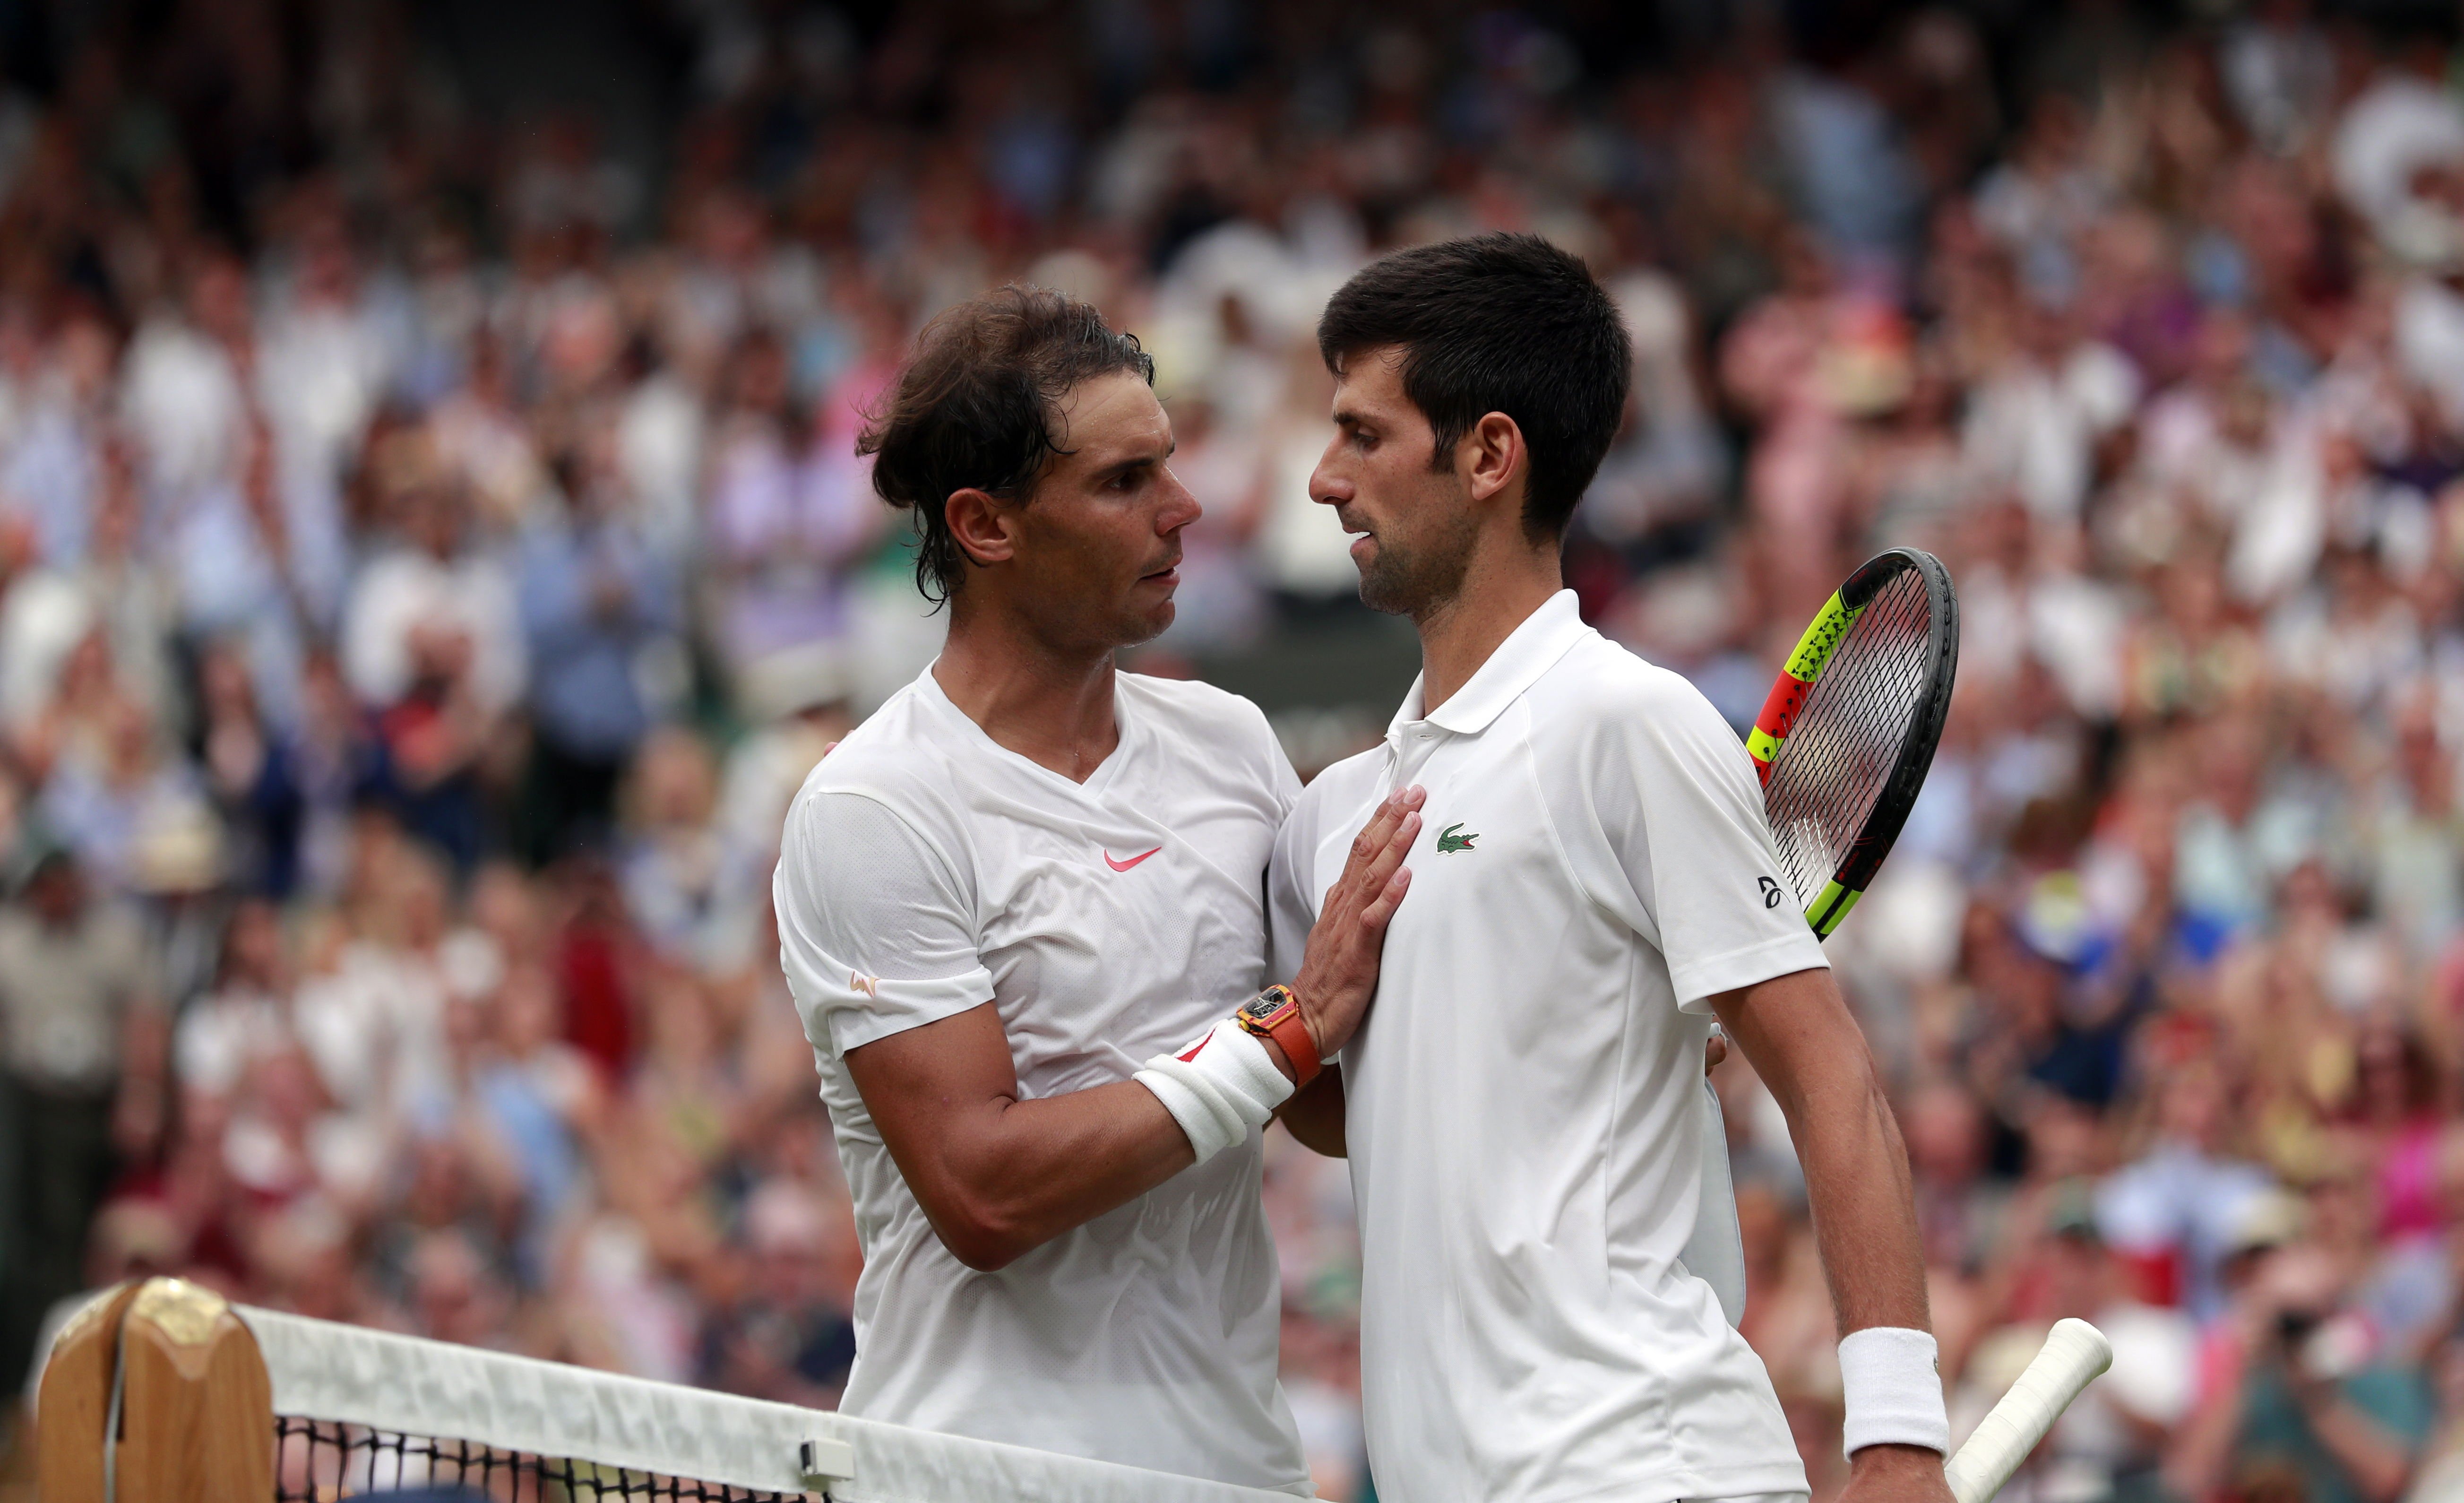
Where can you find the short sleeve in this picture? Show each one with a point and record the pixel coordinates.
(1669, 812)
(876, 927)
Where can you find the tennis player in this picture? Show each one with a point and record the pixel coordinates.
(1595, 884)
(1023, 911)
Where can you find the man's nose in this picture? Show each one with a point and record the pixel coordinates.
(1179, 507)
(1327, 484)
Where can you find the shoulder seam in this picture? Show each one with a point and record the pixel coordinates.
(922, 839)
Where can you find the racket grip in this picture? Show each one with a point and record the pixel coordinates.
(2074, 1354)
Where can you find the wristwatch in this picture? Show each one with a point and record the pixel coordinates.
(1275, 1013)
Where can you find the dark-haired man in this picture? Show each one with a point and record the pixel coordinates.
(1023, 911)
(1521, 1109)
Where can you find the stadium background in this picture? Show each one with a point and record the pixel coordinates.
(431, 551)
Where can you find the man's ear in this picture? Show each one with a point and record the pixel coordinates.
(1495, 456)
(981, 525)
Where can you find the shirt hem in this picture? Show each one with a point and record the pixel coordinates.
(1754, 1483)
(871, 1027)
(1785, 954)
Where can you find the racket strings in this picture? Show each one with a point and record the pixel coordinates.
(1840, 752)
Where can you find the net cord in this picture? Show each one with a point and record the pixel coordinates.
(409, 1385)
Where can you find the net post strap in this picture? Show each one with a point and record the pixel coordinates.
(407, 1384)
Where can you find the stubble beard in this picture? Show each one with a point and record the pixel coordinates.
(1421, 580)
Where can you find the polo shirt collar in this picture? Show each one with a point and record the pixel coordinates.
(1529, 650)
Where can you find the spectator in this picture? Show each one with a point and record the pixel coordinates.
(601, 613)
(790, 1339)
(2299, 1401)
(84, 1077)
(426, 571)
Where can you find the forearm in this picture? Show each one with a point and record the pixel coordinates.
(2378, 1464)
(1864, 1208)
(999, 1175)
(1809, 1052)
(2194, 1468)
(1315, 1115)
(1017, 1173)
(1801, 1040)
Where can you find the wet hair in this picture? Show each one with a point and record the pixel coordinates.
(1497, 323)
(978, 407)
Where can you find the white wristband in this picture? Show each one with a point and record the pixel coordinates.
(1218, 1087)
(1891, 1377)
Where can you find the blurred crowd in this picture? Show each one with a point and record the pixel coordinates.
(431, 552)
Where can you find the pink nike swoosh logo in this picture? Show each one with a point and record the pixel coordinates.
(1123, 866)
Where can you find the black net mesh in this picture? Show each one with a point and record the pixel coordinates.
(1839, 756)
(319, 1460)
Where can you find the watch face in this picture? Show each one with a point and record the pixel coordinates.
(1266, 1006)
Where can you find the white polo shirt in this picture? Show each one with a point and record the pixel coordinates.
(927, 870)
(1524, 1111)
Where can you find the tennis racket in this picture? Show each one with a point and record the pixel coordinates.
(2074, 1354)
(1844, 739)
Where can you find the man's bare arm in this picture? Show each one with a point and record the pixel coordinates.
(1315, 1115)
(997, 1176)
(1797, 1032)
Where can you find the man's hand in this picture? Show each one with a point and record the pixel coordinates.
(1895, 1474)
(1338, 972)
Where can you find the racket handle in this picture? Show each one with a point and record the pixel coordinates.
(2074, 1354)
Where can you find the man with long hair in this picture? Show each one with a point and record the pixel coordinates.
(1023, 911)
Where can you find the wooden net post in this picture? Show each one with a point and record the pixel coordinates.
(195, 1406)
(74, 1404)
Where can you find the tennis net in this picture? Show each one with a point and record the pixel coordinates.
(357, 1412)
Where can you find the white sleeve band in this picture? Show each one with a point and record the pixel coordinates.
(1891, 1377)
(1218, 1088)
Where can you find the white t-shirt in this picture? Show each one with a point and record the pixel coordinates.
(927, 870)
(1524, 1111)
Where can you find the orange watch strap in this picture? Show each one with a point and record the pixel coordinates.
(1291, 1035)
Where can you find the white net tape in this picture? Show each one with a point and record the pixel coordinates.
(347, 1374)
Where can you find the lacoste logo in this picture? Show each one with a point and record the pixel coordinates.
(1771, 891)
(1448, 840)
(870, 985)
(1123, 866)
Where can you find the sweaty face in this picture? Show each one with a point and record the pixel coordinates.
(1385, 481)
(1101, 539)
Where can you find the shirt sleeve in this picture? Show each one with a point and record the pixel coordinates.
(1668, 828)
(1291, 895)
(876, 926)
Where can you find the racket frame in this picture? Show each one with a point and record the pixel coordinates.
(1790, 692)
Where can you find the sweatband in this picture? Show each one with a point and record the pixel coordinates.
(1218, 1087)
(1891, 1377)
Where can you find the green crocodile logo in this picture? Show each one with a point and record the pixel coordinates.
(1448, 840)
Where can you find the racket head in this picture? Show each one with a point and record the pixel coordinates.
(1849, 730)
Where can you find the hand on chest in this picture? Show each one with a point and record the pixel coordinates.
(1484, 833)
